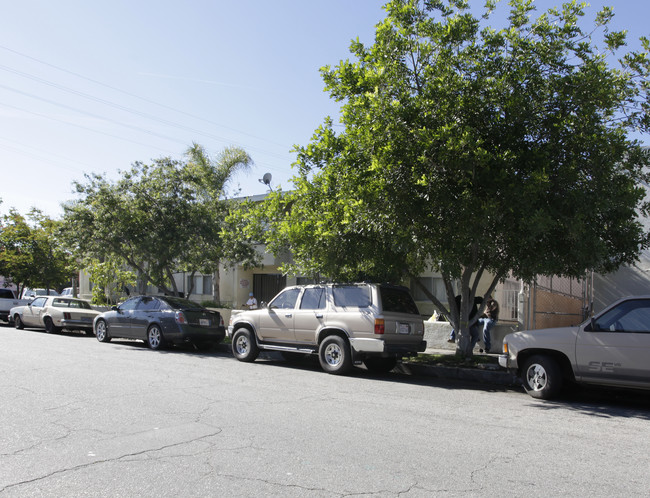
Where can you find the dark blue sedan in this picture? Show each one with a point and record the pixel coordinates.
(161, 320)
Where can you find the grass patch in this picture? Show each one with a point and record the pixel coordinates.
(451, 360)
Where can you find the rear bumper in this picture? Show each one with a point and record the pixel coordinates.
(380, 346)
(200, 334)
(77, 324)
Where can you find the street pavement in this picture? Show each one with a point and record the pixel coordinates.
(81, 418)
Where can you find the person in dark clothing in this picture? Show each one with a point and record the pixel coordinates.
(474, 329)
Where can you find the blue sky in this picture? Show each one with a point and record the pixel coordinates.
(93, 86)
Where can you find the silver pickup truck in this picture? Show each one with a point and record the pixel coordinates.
(345, 324)
(611, 349)
(8, 300)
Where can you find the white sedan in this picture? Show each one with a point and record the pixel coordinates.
(54, 313)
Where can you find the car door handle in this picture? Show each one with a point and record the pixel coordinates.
(288, 315)
(319, 315)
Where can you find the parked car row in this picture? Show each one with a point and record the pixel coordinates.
(156, 320)
(370, 324)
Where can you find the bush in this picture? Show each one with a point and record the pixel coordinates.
(215, 304)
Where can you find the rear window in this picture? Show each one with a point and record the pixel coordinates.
(352, 296)
(397, 301)
(178, 303)
(6, 294)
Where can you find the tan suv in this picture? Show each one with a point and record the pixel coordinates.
(345, 324)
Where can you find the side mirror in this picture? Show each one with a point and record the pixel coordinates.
(593, 326)
(115, 308)
(264, 304)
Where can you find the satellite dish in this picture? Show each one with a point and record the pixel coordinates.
(266, 179)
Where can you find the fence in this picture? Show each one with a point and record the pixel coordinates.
(558, 302)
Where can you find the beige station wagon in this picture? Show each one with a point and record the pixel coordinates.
(345, 324)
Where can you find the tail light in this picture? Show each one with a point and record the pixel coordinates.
(221, 322)
(180, 318)
(379, 325)
(66, 315)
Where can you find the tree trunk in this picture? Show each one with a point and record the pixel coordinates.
(190, 288)
(216, 281)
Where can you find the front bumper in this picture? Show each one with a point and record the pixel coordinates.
(507, 362)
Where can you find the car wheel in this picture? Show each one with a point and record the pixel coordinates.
(378, 364)
(155, 339)
(244, 347)
(101, 330)
(50, 328)
(335, 355)
(18, 322)
(542, 377)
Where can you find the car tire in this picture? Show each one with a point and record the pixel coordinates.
(101, 331)
(50, 328)
(155, 339)
(18, 322)
(541, 377)
(244, 346)
(377, 364)
(335, 355)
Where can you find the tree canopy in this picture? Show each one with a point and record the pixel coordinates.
(157, 218)
(31, 251)
(473, 150)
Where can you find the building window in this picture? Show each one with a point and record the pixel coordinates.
(435, 285)
(207, 285)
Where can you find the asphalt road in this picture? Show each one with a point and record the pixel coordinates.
(80, 418)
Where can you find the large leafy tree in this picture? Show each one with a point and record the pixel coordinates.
(157, 218)
(473, 151)
(31, 251)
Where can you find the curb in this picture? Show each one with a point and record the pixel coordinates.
(482, 376)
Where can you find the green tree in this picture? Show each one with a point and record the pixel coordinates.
(108, 280)
(472, 151)
(32, 253)
(156, 218)
(213, 175)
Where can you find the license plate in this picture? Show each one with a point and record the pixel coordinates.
(404, 328)
(204, 322)
(85, 319)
